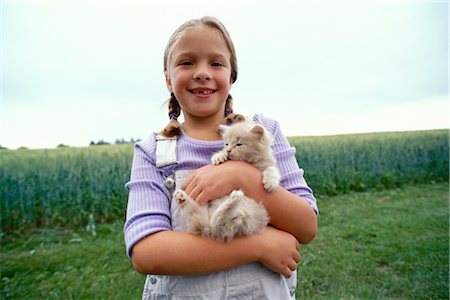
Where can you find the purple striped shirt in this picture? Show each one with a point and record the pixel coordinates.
(148, 208)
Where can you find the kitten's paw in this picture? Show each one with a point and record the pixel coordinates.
(180, 196)
(219, 158)
(237, 194)
(270, 178)
(270, 185)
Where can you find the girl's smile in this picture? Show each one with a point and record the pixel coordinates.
(202, 92)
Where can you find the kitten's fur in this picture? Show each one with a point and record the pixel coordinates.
(235, 214)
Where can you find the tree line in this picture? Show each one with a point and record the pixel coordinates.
(92, 143)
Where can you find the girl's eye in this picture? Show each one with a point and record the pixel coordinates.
(186, 63)
(216, 65)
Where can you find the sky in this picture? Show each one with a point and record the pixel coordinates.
(73, 72)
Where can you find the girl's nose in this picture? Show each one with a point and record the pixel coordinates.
(202, 73)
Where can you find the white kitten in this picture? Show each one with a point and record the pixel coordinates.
(235, 214)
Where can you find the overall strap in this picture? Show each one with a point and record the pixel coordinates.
(166, 153)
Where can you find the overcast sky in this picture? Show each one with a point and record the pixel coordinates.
(77, 71)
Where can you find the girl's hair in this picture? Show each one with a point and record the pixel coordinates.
(173, 127)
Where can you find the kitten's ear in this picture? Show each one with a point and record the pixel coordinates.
(222, 129)
(258, 130)
(233, 119)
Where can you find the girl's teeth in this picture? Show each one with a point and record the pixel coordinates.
(202, 92)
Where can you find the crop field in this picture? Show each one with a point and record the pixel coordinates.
(67, 187)
(358, 162)
(63, 186)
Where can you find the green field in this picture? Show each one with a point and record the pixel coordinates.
(383, 224)
(390, 244)
(64, 186)
(342, 163)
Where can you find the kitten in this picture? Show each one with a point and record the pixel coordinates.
(235, 214)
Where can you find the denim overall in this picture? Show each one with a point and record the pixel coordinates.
(250, 281)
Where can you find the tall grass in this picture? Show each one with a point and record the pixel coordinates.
(64, 186)
(58, 187)
(358, 162)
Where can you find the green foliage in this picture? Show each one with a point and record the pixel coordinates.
(63, 186)
(359, 162)
(391, 244)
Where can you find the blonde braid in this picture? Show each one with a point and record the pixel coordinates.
(230, 117)
(173, 128)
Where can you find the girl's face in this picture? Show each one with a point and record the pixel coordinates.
(199, 72)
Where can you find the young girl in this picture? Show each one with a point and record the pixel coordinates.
(200, 68)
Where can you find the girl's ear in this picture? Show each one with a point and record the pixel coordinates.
(168, 82)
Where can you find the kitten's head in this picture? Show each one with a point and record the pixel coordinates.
(246, 141)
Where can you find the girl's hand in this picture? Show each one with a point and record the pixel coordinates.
(215, 181)
(279, 251)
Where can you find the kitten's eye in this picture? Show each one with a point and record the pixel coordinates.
(239, 144)
(226, 144)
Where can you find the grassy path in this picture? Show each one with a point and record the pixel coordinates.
(375, 245)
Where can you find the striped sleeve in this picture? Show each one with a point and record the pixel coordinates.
(291, 174)
(148, 209)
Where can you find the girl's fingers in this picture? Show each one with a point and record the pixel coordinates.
(292, 266)
(201, 198)
(193, 191)
(187, 183)
(187, 189)
(288, 272)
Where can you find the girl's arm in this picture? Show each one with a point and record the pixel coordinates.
(287, 211)
(180, 253)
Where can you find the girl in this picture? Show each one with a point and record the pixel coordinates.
(200, 68)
